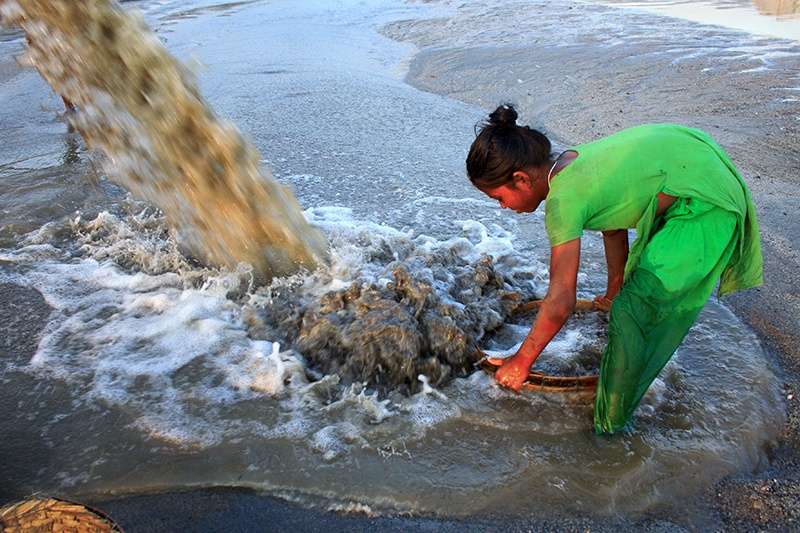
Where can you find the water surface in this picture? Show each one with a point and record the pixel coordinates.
(152, 372)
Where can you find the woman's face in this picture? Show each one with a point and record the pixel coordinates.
(517, 195)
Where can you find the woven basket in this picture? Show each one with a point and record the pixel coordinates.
(578, 389)
(37, 514)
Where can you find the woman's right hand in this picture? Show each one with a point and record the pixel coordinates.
(603, 302)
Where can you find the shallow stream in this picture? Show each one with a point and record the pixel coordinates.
(152, 372)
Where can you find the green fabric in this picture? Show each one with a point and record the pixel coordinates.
(614, 181)
(657, 305)
(709, 233)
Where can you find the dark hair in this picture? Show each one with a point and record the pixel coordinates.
(501, 147)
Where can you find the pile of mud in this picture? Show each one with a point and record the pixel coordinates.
(400, 336)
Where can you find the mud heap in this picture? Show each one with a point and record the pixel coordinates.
(387, 337)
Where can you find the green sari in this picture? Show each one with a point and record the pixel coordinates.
(709, 233)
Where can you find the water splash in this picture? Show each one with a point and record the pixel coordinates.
(142, 108)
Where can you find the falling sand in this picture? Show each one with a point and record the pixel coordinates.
(142, 109)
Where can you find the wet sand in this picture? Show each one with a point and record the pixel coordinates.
(577, 90)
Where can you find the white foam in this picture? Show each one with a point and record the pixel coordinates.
(153, 339)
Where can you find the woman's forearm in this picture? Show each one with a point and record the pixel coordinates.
(556, 308)
(553, 314)
(615, 244)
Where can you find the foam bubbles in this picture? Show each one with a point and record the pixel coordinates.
(160, 336)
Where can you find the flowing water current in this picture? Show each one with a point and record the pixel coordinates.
(351, 387)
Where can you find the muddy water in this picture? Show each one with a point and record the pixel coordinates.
(152, 372)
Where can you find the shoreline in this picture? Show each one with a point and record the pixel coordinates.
(762, 139)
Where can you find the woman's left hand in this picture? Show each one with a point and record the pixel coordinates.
(556, 308)
(513, 372)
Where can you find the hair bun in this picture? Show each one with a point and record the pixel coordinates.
(505, 115)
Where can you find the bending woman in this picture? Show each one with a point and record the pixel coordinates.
(695, 224)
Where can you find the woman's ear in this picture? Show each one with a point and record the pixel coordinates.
(522, 179)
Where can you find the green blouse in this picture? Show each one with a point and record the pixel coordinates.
(613, 183)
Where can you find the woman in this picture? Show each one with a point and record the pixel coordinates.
(694, 221)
